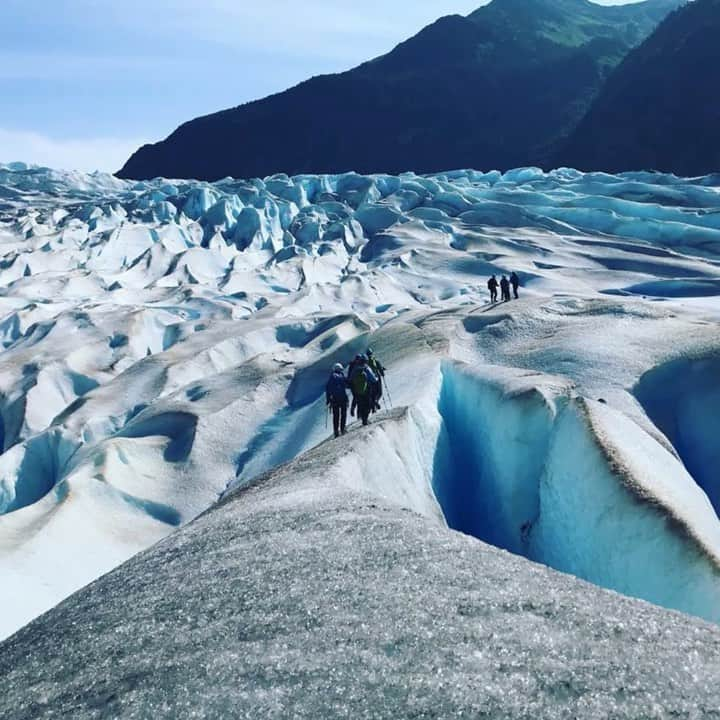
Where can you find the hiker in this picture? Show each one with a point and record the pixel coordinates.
(377, 367)
(361, 380)
(337, 399)
(353, 364)
(493, 287)
(505, 289)
(515, 282)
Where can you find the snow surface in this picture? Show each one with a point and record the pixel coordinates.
(167, 342)
(301, 597)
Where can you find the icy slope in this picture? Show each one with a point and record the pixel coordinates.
(302, 597)
(167, 341)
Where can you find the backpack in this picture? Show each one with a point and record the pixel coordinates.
(360, 381)
(336, 388)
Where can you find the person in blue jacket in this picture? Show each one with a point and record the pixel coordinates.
(336, 398)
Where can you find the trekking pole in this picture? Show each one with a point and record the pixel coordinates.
(327, 412)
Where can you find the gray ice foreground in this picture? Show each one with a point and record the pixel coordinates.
(303, 597)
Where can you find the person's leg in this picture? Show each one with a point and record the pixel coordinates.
(364, 408)
(343, 418)
(515, 290)
(336, 419)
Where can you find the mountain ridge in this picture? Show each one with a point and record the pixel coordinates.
(456, 94)
(637, 121)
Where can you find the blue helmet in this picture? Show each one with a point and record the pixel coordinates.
(369, 352)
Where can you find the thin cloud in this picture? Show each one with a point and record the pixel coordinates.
(86, 154)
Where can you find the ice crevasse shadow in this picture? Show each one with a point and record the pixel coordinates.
(520, 464)
(682, 398)
(31, 470)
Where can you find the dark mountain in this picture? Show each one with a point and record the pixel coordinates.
(660, 109)
(494, 89)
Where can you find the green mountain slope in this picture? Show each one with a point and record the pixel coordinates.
(660, 110)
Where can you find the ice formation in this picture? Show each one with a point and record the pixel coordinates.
(166, 343)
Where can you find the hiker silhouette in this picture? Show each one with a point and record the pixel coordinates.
(515, 282)
(493, 288)
(505, 288)
(363, 382)
(336, 398)
(378, 368)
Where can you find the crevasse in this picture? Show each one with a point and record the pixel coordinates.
(526, 468)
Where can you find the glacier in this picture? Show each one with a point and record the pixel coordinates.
(165, 346)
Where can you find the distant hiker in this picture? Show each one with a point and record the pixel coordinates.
(362, 381)
(493, 287)
(337, 398)
(505, 288)
(515, 282)
(377, 367)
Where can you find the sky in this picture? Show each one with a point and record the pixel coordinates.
(84, 83)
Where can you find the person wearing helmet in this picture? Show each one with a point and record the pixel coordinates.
(337, 399)
(377, 367)
(362, 382)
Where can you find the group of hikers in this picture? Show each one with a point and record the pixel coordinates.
(364, 376)
(364, 379)
(504, 286)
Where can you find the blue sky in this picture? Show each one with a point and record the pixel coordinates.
(85, 82)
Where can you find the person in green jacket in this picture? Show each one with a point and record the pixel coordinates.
(362, 383)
